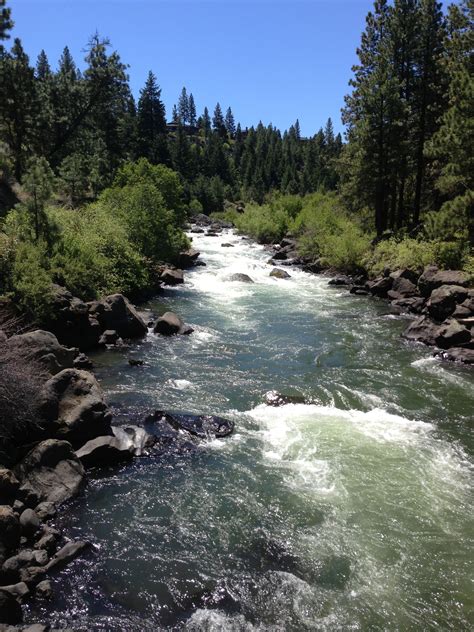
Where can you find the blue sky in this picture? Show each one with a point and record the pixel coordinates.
(272, 60)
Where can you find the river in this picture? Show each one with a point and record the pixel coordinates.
(350, 512)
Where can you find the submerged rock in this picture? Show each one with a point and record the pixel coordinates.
(274, 398)
(457, 354)
(202, 426)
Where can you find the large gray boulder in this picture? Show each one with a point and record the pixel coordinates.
(116, 312)
(104, 451)
(44, 347)
(10, 609)
(187, 258)
(171, 276)
(402, 288)
(71, 321)
(52, 471)
(72, 404)
(448, 334)
(433, 278)
(379, 286)
(171, 324)
(444, 299)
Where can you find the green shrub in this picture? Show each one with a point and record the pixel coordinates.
(406, 253)
(325, 231)
(32, 279)
(267, 223)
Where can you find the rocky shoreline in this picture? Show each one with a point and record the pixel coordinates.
(42, 470)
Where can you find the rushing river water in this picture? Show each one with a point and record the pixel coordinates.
(352, 512)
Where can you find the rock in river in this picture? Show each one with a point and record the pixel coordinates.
(202, 426)
(170, 324)
(278, 273)
(242, 278)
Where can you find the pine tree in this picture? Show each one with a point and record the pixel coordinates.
(6, 23)
(183, 107)
(151, 122)
(218, 123)
(38, 184)
(191, 110)
(45, 116)
(17, 110)
(230, 123)
(206, 122)
(452, 144)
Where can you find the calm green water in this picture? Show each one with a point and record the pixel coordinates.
(353, 512)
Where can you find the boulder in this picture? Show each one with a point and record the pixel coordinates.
(227, 245)
(201, 220)
(24, 559)
(44, 347)
(278, 273)
(72, 403)
(414, 305)
(433, 278)
(49, 540)
(9, 485)
(197, 231)
(103, 451)
(67, 553)
(241, 278)
(380, 286)
(109, 337)
(44, 590)
(340, 280)
(444, 299)
(170, 324)
(19, 590)
(279, 255)
(29, 523)
(10, 609)
(187, 258)
(202, 426)
(405, 273)
(170, 276)
(457, 354)
(82, 362)
(9, 529)
(134, 438)
(45, 510)
(71, 321)
(402, 288)
(274, 398)
(448, 334)
(51, 471)
(116, 312)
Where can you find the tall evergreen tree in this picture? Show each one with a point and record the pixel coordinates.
(151, 122)
(191, 111)
(183, 107)
(218, 123)
(230, 123)
(6, 22)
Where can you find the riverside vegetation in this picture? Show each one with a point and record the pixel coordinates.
(96, 193)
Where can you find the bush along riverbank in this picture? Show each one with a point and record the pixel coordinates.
(56, 425)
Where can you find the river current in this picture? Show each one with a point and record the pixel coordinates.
(350, 512)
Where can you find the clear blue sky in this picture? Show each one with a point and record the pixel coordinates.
(272, 60)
